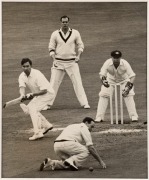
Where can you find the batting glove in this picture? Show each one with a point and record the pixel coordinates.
(22, 97)
(29, 96)
(104, 81)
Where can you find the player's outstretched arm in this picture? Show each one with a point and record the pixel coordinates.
(95, 154)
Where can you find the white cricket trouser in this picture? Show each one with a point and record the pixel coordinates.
(72, 69)
(104, 99)
(35, 106)
(71, 150)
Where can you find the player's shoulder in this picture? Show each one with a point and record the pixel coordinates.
(56, 32)
(124, 61)
(75, 31)
(21, 75)
(108, 61)
(35, 71)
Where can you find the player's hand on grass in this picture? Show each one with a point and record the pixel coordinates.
(103, 165)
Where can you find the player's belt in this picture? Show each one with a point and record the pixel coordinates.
(62, 140)
(65, 59)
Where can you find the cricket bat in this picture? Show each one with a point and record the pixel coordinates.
(13, 102)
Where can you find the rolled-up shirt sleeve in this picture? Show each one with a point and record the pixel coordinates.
(79, 42)
(86, 136)
(52, 44)
(103, 70)
(130, 72)
(21, 81)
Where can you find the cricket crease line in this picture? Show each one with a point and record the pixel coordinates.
(119, 131)
(109, 131)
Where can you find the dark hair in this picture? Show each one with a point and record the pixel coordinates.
(64, 17)
(25, 60)
(88, 120)
(116, 54)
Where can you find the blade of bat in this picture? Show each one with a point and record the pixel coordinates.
(12, 102)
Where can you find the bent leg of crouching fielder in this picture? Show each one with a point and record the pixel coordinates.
(72, 152)
(72, 155)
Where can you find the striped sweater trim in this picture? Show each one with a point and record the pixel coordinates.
(65, 40)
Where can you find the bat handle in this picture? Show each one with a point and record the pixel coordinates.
(4, 105)
(24, 98)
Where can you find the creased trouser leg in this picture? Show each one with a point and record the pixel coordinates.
(75, 76)
(102, 107)
(130, 104)
(57, 76)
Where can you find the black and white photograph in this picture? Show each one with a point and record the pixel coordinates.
(74, 89)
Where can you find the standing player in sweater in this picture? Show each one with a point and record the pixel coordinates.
(65, 60)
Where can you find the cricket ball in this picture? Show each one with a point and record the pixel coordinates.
(91, 169)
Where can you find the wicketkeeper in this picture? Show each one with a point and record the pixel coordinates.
(41, 94)
(116, 70)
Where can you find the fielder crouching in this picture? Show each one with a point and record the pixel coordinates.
(41, 94)
(116, 70)
(70, 150)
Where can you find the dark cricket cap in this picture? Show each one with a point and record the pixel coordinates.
(116, 54)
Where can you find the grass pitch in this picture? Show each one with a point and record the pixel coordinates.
(104, 26)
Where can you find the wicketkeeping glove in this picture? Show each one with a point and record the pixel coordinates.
(104, 81)
(128, 87)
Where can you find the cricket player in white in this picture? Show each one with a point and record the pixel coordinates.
(68, 146)
(41, 94)
(116, 70)
(62, 50)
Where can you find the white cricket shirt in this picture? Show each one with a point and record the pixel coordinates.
(123, 72)
(36, 81)
(76, 132)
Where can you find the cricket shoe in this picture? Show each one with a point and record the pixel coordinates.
(47, 163)
(98, 120)
(24, 108)
(134, 119)
(87, 106)
(71, 165)
(48, 107)
(46, 129)
(38, 135)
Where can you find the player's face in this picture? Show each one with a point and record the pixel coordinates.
(116, 61)
(26, 68)
(91, 126)
(65, 22)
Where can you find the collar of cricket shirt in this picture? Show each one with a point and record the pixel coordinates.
(31, 73)
(62, 35)
(111, 62)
